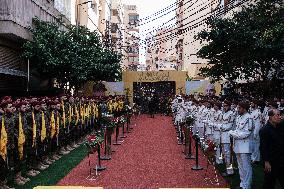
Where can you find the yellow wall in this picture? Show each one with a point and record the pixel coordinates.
(129, 77)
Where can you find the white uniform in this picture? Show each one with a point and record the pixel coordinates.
(198, 118)
(193, 111)
(242, 137)
(180, 117)
(180, 112)
(209, 124)
(217, 118)
(265, 116)
(174, 109)
(203, 119)
(255, 142)
(226, 125)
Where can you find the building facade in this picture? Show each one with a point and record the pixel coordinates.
(86, 13)
(161, 51)
(191, 19)
(131, 36)
(15, 18)
(117, 26)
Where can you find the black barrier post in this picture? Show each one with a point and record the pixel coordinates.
(196, 167)
(100, 167)
(116, 136)
(106, 154)
(189, 154)
(123, 132)
(127, 125)
(129, 120)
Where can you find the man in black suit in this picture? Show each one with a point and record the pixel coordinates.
(152, 105)
(272, 150)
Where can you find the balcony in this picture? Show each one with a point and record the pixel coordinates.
(16, 16)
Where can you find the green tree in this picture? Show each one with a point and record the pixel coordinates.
(71, 54)
(247, 45)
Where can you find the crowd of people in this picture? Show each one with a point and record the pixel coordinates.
(249, 129)
(37, 131)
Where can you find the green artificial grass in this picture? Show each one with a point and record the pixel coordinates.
(257, 180)
(57, 170)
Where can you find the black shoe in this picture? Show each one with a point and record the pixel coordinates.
(255, 162)
(226, 174)
(238, 187)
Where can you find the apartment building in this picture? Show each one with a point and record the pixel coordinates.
(15, 19)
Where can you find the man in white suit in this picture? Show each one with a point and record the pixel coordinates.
(242, 136)
(226, 125)
(216, 121)
(256, 120)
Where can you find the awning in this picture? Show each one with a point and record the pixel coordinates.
(13, 72)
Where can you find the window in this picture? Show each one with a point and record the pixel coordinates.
(114, 12)
(180, 56)
(131, 59)
(133, 19)
(114, 27)
(94, 6)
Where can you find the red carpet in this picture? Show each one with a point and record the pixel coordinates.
(148, 158)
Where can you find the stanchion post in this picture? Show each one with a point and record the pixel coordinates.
(189, 153)
(107, 147)
(100, 167)
(196, 167)
(123, 132)
(116, 136)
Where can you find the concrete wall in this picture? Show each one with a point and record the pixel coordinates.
(129, 77)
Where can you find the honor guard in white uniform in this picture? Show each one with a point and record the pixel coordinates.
(265, 114)
(256, 121)
(188, 104)
(216, 121)
(203, 119)
(234, 109)
(210, 119)
(193, 111)
(200, 108)
(226, 126)
(174, 109)
(180, 117)
(242, 136)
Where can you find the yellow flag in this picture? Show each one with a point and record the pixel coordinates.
(70, 115)
(110, 106)
(34, 129)
(43, 128)
(97, 111)
(21, 139)
(52, 124)
(57, 124)
(120, 105)
(4, 140)
(82, 112)
(77, 115)
(93, 109)
(63, 115)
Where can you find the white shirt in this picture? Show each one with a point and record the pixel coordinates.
(242, 133)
